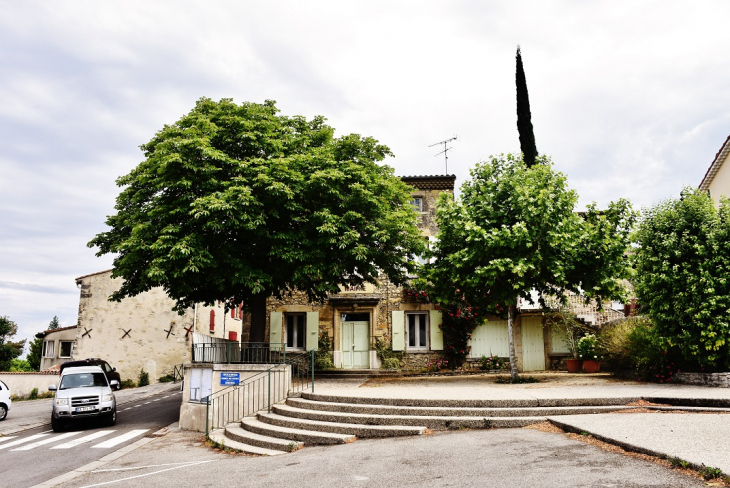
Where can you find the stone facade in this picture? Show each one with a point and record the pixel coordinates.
(721, 380)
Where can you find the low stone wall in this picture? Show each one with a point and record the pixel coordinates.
(21, 384)
(418, 361)
(721, 380)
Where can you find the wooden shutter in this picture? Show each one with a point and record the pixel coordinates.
(437, 335)
(275, 321)
(312, 342)
(232, 336)
(212, 320)
(399, 330)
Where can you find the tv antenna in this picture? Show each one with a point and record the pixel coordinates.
(445, 152)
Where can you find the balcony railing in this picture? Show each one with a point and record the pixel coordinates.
(243, 353)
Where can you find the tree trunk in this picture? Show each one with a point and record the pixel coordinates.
(511, 338)
(258, 318)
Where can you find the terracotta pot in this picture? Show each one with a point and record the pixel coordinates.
(574, 365)
(591, 366)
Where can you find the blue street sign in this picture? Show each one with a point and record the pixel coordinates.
(230, 379)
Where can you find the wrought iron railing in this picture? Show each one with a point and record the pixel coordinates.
(245, 353)
(178, 373)
(260, 391)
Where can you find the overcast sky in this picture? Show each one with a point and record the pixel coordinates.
(630, 98)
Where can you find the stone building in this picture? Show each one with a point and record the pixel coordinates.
(717, 178)
(143, 332)
(58, 346)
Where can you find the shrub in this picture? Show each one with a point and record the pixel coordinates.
(129, 384)
(391, 363)
(323, 354)
(656, 359)
(144, 378)
(588, 347)
(436, 365)
(385, 353)
(493, 362)
(168, 378)
(33, 394)
(615, 343)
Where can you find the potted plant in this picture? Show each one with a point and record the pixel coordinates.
(565, 321)
(589, 351)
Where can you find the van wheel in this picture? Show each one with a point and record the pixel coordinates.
(112, 418)
(56, 424)
(3, 411)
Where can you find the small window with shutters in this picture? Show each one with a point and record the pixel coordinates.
(212, 320)
(295, 330)
(232, 336)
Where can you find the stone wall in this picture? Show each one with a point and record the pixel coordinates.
(21, 384)
(721, 380)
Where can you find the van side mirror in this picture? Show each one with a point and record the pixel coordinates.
(51, 387)
(114, 384)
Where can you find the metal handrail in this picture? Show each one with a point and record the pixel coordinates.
(230, 352)
(257, 393)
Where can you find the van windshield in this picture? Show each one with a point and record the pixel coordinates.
(82, 380)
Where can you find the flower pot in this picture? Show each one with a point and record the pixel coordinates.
(574, 365)
(591, 366)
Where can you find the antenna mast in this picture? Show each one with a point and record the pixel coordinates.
(445, 152)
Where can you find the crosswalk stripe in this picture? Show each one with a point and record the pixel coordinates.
(3, 439)
(83, 440)
(119, 439)
(54, 438)
(21, 441)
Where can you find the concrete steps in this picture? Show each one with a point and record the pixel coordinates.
(338, 426)
(220, 437)
(308, 437)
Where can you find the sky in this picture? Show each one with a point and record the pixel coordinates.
(629, 98)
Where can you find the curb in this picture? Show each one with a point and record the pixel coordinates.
(106, 459)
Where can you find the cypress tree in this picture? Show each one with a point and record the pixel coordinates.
(524, 119)
(54, 323)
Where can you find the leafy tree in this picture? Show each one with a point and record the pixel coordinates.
(54, 323)
(20, 366)
(515, 229)
(524, 117)
(35, 349)
(682, 269)
(9, 350)
(236, 203)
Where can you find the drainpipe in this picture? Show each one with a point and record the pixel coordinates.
(195, 317)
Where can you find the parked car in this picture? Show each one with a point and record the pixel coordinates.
(83, 393)
(111, 373)
(4, 400)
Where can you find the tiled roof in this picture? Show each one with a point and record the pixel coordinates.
(430, 182)
(49, 331)
(720, 157)
(93, 274)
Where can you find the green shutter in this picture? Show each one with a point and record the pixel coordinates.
(437, 335)
(399, 330)
(275, 330)
(312, 331)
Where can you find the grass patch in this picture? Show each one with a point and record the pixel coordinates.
(518, 380)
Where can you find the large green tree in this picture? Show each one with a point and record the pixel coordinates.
(515, 229)
(54, 324)
(9, 350)
(524, 116)
(683, 276)
(35, 349)
(236, 203)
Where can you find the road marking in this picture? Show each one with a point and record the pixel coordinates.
(137, 406)
(3, 439)
(21, 441)
(145, 403)
(149, 474)
(122, 438)
(54, 438)
(165, 396)
(82, 440)
(128, 408)
(145, 467)
(156, 400)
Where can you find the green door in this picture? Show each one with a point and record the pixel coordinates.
(355, 345)
(533, 344)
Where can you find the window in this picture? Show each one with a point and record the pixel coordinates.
(48, 349)
(417, 204)
(417, 331)
(295, 330)
(66, 347)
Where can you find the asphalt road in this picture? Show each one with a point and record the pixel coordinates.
(36, 455)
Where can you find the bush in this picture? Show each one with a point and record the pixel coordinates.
(33, 394)
(144, 378)
(386, 354)
(656, 360)
(129, 384)
(615, 343)
(436, 365)
(323, 354)
(391, 363)
(168, 378)
(493, 362)
(588, 347)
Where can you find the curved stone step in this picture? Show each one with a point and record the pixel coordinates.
(308, 437)
(218, 436)
(466, 403)
(448, 411)
(359, 430)
(432, 422)
(237, 433)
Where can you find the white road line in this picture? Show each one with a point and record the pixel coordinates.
(144, 467)
(54, 438)
(119, 439)
(145, 403)
(137, 406)
(148, 474)
(3, 439)
(156, 400)
(21, 441)
(83, 440)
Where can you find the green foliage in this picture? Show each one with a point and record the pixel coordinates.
(386, 354)
(524, 117)
(35, 350)
(323, 354)
(235, 203)
(9, 350)
(54, 323)
(710, 473)
(128, 383)
(168, 378)
(458, 323)
(656, 359)
(676, 462)
(588, 347)
(682, 268)
(615, 343)
(565, 321)
(436, 365)
(33, 394)
(492, 363)
(20, 365)
(144, 378)
(521, 379)
(391, 363)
